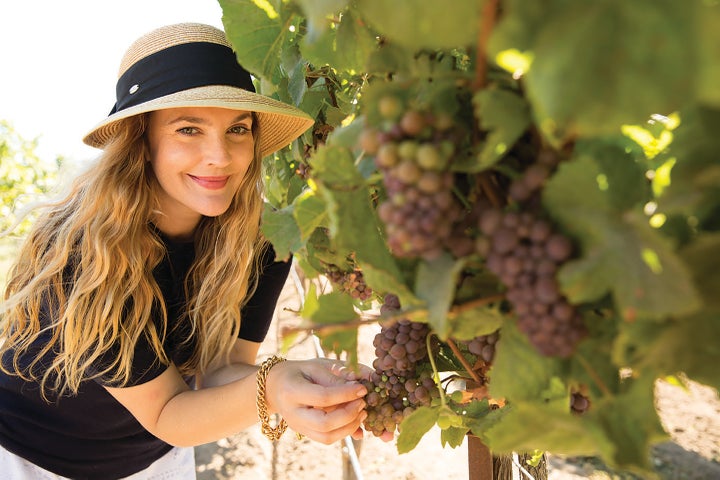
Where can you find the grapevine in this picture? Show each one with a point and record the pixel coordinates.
(484, 151)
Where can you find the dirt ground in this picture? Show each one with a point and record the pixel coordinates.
(691, 417)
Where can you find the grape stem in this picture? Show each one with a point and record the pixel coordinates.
(468, 368)
(436, 374)
(487, 186)
(596, 378)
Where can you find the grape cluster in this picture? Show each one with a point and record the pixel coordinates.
(483, 346)
(414, 150)
(525, 252)
(350, 282)
(401, 380)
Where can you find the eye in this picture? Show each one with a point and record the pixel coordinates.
(187, 131)
(239, 130)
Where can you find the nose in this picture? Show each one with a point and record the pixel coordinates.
(216, 151)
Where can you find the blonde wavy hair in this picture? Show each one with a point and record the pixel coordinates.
(102, 228)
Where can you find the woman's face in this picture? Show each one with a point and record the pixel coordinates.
(200, 156)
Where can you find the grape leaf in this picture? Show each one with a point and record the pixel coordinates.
(435, 284)
(280, 228)
(629, 424)
(518, 26)
(600, 65)
(453, 436)
(662, 349)
(506, 116)
(346, 46)
(694, 188)
(620, 252)
(519, 372)
(529, 425)
(334, 166)
(317, 13)
(592, 366)
(415, 426)
(309, 213)
(257, 34)
(474, 322)
(330, 309)
(707, 19)
(702, 258)
(419, 24)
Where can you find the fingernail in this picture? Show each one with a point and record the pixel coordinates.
(363, 416)
(361, 392)
(361, 406)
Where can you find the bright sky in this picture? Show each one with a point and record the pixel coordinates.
(59, 61)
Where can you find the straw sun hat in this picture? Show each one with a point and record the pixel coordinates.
(193, 65)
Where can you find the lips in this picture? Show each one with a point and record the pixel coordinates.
(211, 183)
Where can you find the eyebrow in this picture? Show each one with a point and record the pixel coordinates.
(202, 121)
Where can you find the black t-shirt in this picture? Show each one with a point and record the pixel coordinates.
(92, 436)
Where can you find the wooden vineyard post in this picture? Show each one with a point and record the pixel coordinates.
(483, 465)
(480, 460)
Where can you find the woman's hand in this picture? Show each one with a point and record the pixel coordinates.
(319, 398)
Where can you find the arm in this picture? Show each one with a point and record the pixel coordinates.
(313, 396)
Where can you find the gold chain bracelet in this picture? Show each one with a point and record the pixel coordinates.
(267, 430)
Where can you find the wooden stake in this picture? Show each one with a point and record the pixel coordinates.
(480, 460)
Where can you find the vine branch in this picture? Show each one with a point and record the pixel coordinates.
(468, 368)
(487, 22)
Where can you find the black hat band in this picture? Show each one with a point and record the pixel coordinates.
(178, 68)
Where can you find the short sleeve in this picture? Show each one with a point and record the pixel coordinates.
(257, 314)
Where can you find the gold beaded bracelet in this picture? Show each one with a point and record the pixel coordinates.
(270, 432)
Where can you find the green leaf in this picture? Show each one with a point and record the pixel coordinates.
(630, 425)
(600, 65)
(435, 284)
(335, 167)
(453, 436)
(419, 24)
(415, 426)
(519, 372)
(702, 258)
(475, 322)
(309, 213)
(620, 252)
(297, 84)
(680, 345)
(527, 426)
(506, 116)
(280, 228)
(335, 308)
(319, 247)
(707, 40)
(257, 34)
(318, 13)
(346, 46)
(694, 188)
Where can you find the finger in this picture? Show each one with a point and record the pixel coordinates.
(316, 395)
(321, 421)
(358, 434)
(339, 433)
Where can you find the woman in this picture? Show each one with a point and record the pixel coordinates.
(133, 316)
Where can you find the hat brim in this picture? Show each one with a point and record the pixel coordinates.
(279, 122)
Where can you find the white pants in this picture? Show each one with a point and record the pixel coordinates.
(177, 464)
